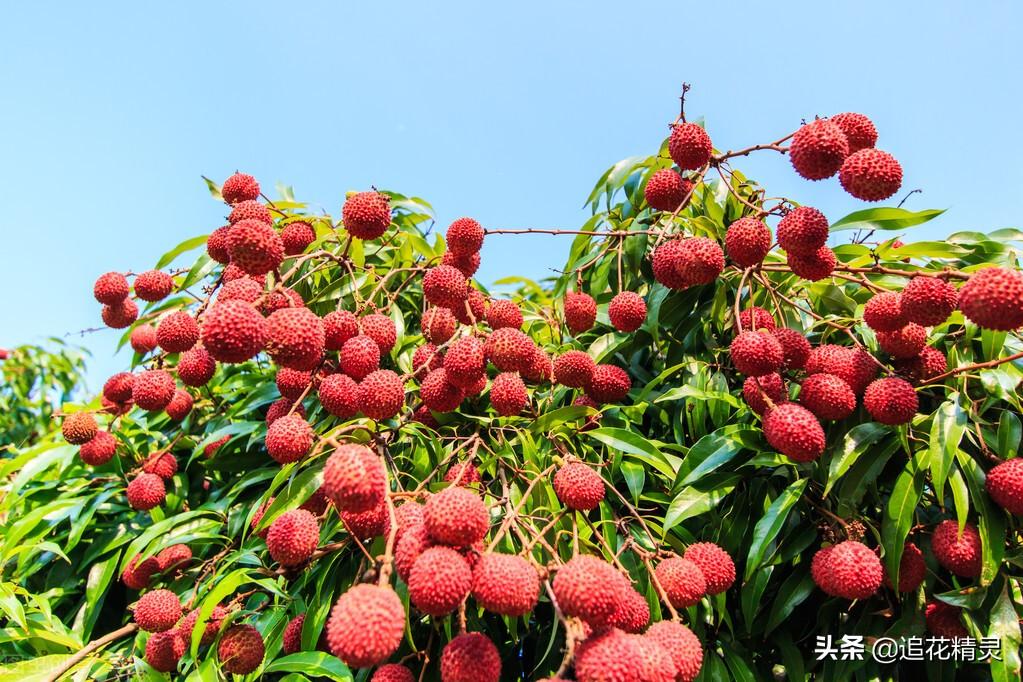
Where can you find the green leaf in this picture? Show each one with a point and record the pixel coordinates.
(767, 528)
(315, 663)
(946, 433)
(1009, 431)
(884, 218)
(855, 443)
(634, 444)
(990, 521)
(900, 512)
(184, 247)
(693, 502)
(1005, 627)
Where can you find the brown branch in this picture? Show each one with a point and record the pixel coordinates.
(95, 644)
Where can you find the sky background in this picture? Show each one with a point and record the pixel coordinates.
(509, 114)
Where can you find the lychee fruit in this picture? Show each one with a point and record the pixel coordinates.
(748, 241)
(754, 318)
(364, 526)
(360, 356)
(795, 432)
(859, 130)
(508, 349)
(508, 394)
(289, 438)
(959, 553)
(462, 473)
(366, 625)
(943, 620)
(590, 589)
(445, 286)
(366, 215)
(505, 584)
(465, 361)
(180, 405)
(470, 657)
(146, 491)
(354, 478)
(295, 337)
(682, 645)
(853, 365)
(239, 187)
(456, 516)
(173, 557)
(281, 407)
(209, 631)
(255, 247)
(814, 267)
(627, 311)
(157, 611)
(871, 175)
(1004, 484)
(291, 640)
(467, 265)
(439, 394)
(903, 343)
(153, 389)
(233, 331)
(574, 369)
(754, 389)
(700, 261)
(250, 209)
(891, 401)
(293, 537)
(292, 383)
(164, 650)
(392, 672)
(827, 396)
(993, 299)
(241, 649)
(338, 327)
(381, 395)
(196, 367)
(608, 384)
(153, 285)
(689, 146)
(163, 464)
(439, 325)
(803, 231)
(715, 563)
(633, 612)
(578, 486)
(614, 655)
(381, 329)
(243, 289)
(121, 314)
(928, 364)
(426, 359)
(339, 395)
(666, 190)
(297, 237)
(408, 546)
(855, 570)
(439, 581)
(682, 581)
(794, 346)
(110, 288)
(216, 245)
(665, 264)
(100, 450)
(883, 312)
(117, 388)
(928, 301)
(504, 313)
(756, 353)
(138, 572)
(912, 569)
(464, 237)
(818, 149)
(79, 428)
(580, 312)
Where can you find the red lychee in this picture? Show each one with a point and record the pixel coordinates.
(666, 190)
(110, 288)
(854, 570)
(682, 581)
(912, 569)
(505, 584)
(470, 657)
(366, 215)
(153, 389)
(241, 649)
(748, 241)
(959, 553)
(338, 327)
(689, 146)
(439, 394)
(574, 369)
(754, 389)
(289, 438)
(859, 130)
(627, 311)
(445, 286)
(580, 312)
(439, 325)
(504, 313)
(381, 395)
(590, 589)
(381, 329)
(803, 231)
(439, 581)
(578, 486)
(608, 384)
(1004, 484)
(293, 537)
(233, 331)
(464, 237)
(814, 267)
(366, 625)
(121, 314)
(793, 431)
(700, 260)
(883, 312)
(295, 338)
(196, 367)
(297, 237)
(756, 353)
(354, 478)
(146, 491)
(891, 401)
(871, 175)
(794, 346)
(157, 611)
(715, 563)
(255, 247)
(928, 301)
(993, 299)
(360, 355)
(216, 245)
(79, 428)
(456, 516)
(339, 395)
(827, 396)
(465, 362)
(100, 450)
(665, 264)
(239, 187)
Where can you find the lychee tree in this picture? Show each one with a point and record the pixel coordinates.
(729, 427)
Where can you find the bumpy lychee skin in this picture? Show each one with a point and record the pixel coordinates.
(153, 389)
(381, 329)
(439, 581)
(121, 314)
(818, 149)
(392, 672)
(241, 649)
(666, 190)
(539, 369)
(110, 288)
(243, 289)
(289, 438)
(196, 367)
(820, 570)
(146, 491)
(827, 396)
(633, 612)
(354, 478)
(574, 369)
(297, 237)
(814, 267)
(426, 359)
(754, 318)
(871, 175)
(627, 311)
(255, 247)
(138, 572)
(467, 265)
(508, 394)
(715, 563)
(928, 301)
(216, 245)
(439, 394)
(689, 146)
(853, 365)
(608, 384)
(153, 285)
(292, 383)
(239, 187)
(177, 332)
(295, 337)
(929, 363)
(366, 215)
(79, 428)
(793, 431)
(794, 346)
(339, 395)
(859, 130)
(578, 486)
(173, 557)
(504, 313)
(143, 338)
(163, 650)
(233, 331)
(338, 327)
(993, 299)
(803, 231)
(665, 262)
(943, 620)
(292, 537)
(912, 569)
(360, 356)
(408, 547)
(180, 405)
(456, 516)
(748, 241)
(855, 569)
(590, 589)
(580, 311)
(465, 362)
(117, 388)
(291, 640)
(366, 625)
(756, 353)
(754, 388)
(163, 464)
(682, 645)
(903, 343)
(367, 525)
(470, 657)
(157, 611)
(682, 581)
(100, 450)
(1004, 484)
(281, 407)
(250, 210)
(439, 325)
(464, 237)
(883, 312)
(505, 584)
(960, 554)
(510, 350)
(891, 401)
(613, 655)
(381, 395)
(462, 473)
(445, 286)
(700, 261)
(209, 632)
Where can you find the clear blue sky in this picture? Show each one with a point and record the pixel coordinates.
(112, 111)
